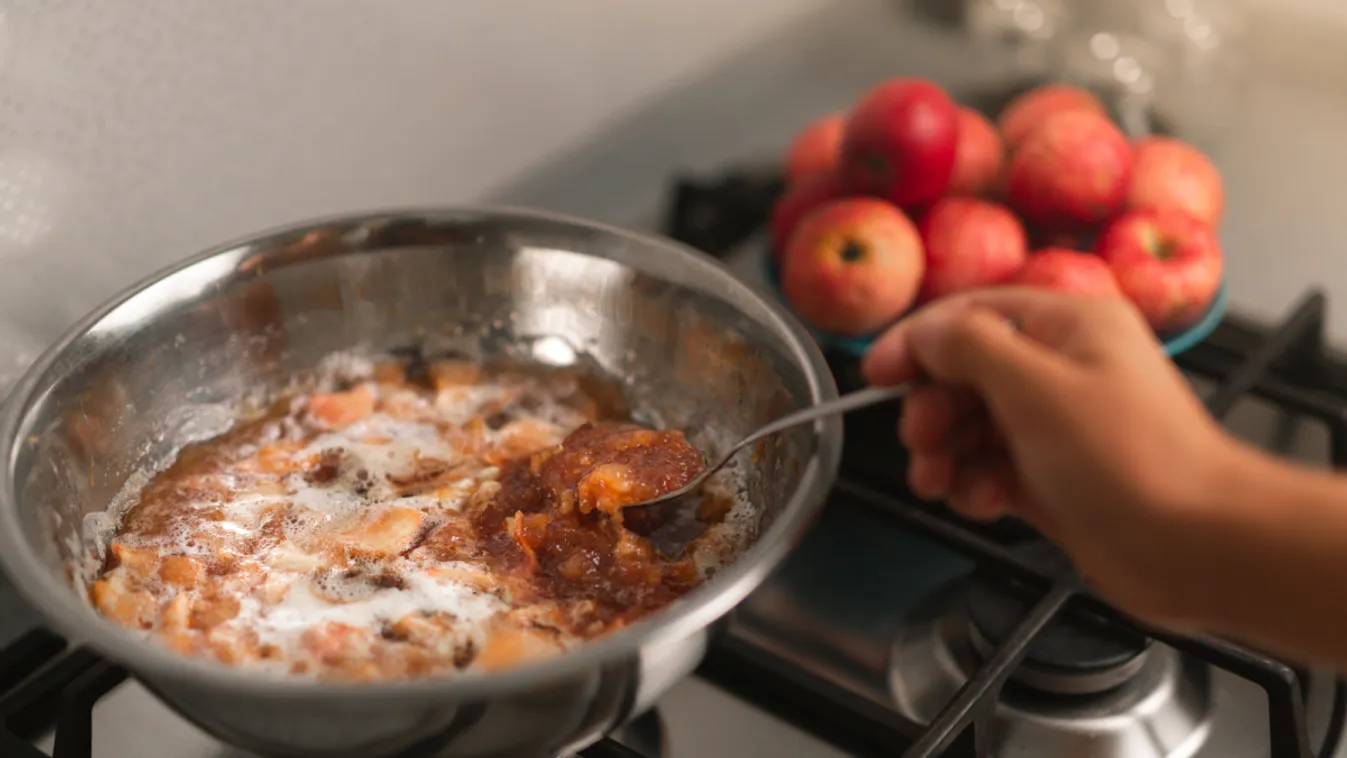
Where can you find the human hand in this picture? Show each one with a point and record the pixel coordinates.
(1062, 411)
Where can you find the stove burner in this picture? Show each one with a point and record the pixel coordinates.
(1075, 655)
(1158, 702)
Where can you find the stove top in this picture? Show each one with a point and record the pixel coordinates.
(915, 634)
(894, 629)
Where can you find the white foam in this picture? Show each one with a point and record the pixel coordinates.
(343, 368)
(302, 608)
(459, 405)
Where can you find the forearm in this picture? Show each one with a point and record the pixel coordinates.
(1268, 564)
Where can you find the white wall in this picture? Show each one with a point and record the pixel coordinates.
(133, 132)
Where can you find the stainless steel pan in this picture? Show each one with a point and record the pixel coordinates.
(167, 362)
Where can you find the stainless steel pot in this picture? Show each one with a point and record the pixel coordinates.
(167, 362)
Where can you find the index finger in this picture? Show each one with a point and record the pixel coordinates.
(891, 359)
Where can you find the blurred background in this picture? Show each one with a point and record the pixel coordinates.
(136, 132)
(133, 133)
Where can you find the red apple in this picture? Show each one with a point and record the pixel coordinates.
(1027, 112)
(1167, 262)
(853, 266)
(979, 157)
(1169, 173)
(969, 244)
(816, 149)
(1071, 172)
(1063, 270)
(797, 201)
(900, 142)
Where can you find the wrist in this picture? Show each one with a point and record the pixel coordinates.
(1249, 541)
(1213, 493)
(1195, 530)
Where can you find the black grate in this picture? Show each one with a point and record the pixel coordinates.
(609, 748)
(44, 684)
(1287, 365)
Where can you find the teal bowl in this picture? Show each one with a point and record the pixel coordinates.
(1174, 343)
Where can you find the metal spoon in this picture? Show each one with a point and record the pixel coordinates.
(844, 404)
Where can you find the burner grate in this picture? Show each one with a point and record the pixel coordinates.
(609, 748)
(1287, 365)
(44, 684)
(34, 672)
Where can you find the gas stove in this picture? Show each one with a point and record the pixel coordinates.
(895, 629)
(898, 629)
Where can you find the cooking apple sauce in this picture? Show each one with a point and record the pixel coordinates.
(414, 521)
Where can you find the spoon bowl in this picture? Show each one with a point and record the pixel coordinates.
(851, 401)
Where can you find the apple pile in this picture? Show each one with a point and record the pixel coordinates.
(910, 197)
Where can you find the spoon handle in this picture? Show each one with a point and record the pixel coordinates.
(844, 404)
